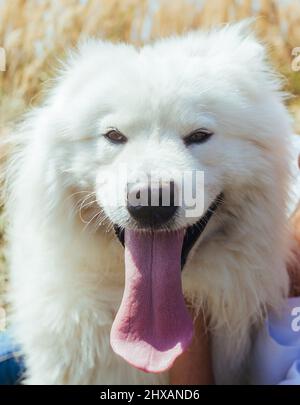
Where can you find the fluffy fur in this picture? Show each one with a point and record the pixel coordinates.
(67, 267)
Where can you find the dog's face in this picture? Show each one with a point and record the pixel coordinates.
(125, 125)
(187, 105)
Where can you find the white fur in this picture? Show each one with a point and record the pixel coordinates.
(67, 276)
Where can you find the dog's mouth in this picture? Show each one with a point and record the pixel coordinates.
(153, 326)
(192, 233)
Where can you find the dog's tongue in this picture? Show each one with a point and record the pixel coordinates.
(152, 326)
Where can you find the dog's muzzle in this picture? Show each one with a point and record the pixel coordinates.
(192, 233)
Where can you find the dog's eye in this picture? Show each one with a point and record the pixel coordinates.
(198, 136)
(115, 136)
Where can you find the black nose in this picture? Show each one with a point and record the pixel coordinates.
(152, 206)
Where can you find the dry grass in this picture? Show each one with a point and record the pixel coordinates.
(35, 33)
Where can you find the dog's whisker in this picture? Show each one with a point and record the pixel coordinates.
(90, 221)
(83, 202)
(78, 192)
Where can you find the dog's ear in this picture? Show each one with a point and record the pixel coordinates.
(87, 59)
(79, 56)
(238, 38)
(236, 50)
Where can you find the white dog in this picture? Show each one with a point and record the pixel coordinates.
(201, 102)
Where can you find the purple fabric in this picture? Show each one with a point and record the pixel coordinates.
(276, 353)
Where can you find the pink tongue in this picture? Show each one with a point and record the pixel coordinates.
(152, 327)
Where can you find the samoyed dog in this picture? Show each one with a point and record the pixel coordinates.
(99, 280)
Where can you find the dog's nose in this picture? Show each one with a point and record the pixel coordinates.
(152, 206)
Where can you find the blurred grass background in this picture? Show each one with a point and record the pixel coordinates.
(34, 33)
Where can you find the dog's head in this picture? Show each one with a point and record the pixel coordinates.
(137, 121)
(136, 129)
